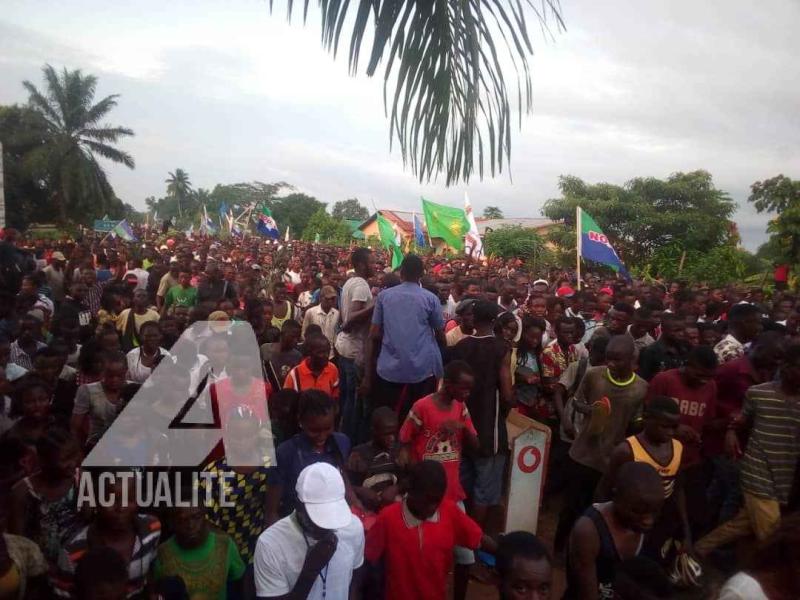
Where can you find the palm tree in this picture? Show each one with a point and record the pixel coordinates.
(179, 187)
(449, 100)
(75, 138)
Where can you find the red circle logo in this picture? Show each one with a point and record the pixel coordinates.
(529, 465)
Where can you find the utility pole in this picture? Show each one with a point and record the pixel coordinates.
(2, 192)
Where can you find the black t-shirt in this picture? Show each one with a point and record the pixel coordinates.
(485, 355)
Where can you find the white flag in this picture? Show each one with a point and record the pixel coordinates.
(286, 237)
(473, 245)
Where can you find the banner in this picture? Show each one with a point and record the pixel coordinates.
(445, 222)
(390, 239)
(104, 225)
(594, 245)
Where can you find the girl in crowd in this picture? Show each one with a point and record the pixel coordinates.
(43, 505)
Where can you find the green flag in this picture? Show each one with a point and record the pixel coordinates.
(390, 240)
(446, 222)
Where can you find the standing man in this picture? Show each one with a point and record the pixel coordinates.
(669, 352)
(324, 314)
(611, 397)
(744, 325)
(772, 416)
(215, 288)
(54, 273)
(407, 332)
(317, 551)
(168, 280)
(356, 311)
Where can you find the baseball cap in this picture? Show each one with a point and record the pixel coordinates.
(565, 292)
(58, 256)
(320, 488)
(541, 281)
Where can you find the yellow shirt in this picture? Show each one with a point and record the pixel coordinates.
(667, 472)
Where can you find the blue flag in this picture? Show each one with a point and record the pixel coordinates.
(123, 230)
(419, 233)
(223, 210)
(594, 245)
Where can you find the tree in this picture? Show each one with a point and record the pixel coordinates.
(780, 195)
(350, 210)
(518, 242)
(295, 210)
(179, 188)
(646, 214)
(492, 212)
(450, 106)
(75, 139)
(329, 229)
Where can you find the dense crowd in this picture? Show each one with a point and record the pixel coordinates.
(382, 397)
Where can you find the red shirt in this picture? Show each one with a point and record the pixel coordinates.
(733, 379)
(697, 406)
(418, 554)
(229, 397)
(423, 430)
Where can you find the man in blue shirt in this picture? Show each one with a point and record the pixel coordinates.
(403, 351)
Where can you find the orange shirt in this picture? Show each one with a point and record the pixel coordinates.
(301, 378)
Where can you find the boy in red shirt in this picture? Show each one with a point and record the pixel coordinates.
(416, 537)
(436, 429)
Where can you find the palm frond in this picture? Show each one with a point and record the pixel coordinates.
(111, 153)
(106, 133)
(41, 104)
(100, 110)
(444, 74)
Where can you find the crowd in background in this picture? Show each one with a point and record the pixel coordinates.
(674, 410)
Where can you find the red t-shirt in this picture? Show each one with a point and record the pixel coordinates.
(228, 398)
(697, 406)
(422, 429)
(418, 555)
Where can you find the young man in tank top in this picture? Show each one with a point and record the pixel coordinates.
(610, 533)
(656, 446)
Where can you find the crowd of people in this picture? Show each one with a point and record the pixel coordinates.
(674, 411)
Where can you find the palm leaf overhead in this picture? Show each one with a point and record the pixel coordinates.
(444, 74)
(74, 139)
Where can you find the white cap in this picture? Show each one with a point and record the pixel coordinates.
(320, 488)
(544, 281)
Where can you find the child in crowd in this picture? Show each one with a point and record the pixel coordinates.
(528, 395)
(416, 538)
(207, 561)
(44, 505)
(316, 442)
(97, 404)
(30, 409)
(315, 372)
(523, 566)
(373, 466)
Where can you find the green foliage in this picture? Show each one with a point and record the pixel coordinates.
(648, 214)
(450, 106)
(492, 212)
(179, 188)
(350, 210)
(717, 266)
(518, 242)
(780, 195)
(331, 230)
(295, 211)
(75, 137)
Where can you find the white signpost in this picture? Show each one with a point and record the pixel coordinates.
(530, 447)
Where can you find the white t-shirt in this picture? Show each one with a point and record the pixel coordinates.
(137, 372)
(281, 551)
(351, 344)
(742, 587)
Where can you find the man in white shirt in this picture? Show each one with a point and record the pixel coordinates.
(317, 551)
(324, 315)
(356, 310)
(142, 276)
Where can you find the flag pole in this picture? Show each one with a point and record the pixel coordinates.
(578, 243)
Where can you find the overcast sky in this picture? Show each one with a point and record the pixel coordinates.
(229, 93)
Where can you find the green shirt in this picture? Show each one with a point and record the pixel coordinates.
(206, 570)
(181, 296)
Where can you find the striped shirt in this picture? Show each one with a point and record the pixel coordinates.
(145, 548)
(769, 462)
